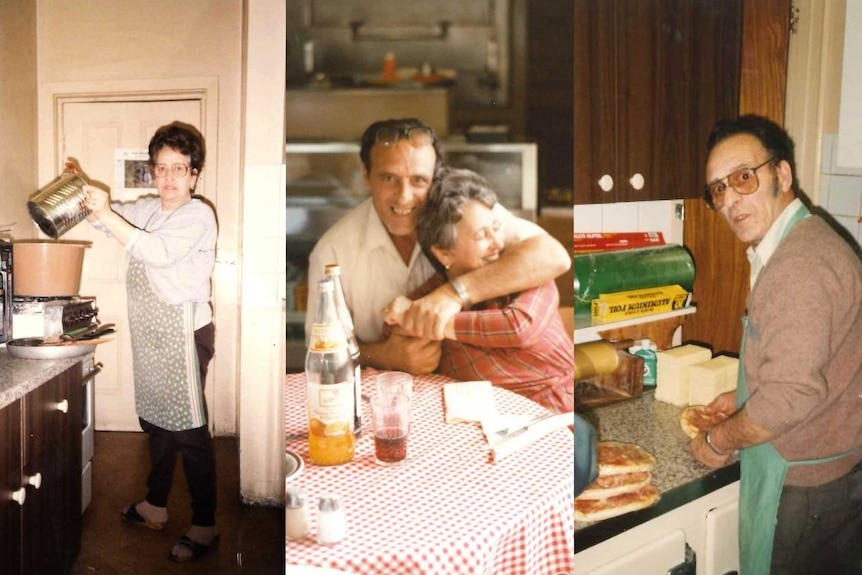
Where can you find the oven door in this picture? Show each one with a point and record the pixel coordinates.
(5, 291)
(88, 429)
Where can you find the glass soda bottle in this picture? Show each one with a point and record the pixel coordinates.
(329, 380)
(334, 271)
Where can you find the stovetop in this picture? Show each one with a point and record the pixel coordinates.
(34, 316)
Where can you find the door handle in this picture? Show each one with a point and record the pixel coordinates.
(63, 406)
(19, 496)
(687, 567)
(35, 480)
(606, 183)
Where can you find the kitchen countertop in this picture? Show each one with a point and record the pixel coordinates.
(653, 425)
(18, 377)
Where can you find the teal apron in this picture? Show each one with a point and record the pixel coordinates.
(763, 471)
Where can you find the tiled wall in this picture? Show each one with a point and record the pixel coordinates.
(840, 189)
(659, 216)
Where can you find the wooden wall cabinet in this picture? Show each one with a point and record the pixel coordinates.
(651, 79)
(40, 463)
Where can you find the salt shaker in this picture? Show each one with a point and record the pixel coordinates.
(296, 523)
(331, 522)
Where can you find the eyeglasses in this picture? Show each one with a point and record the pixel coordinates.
(176, 170)
(744, 181)
(417, 135)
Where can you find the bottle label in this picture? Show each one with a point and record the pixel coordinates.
(327, 337)
(649, 357)
(330, 408)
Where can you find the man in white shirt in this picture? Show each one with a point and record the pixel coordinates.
(380, 258)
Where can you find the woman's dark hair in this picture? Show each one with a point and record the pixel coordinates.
(774, 139)
(184, 138)
(444, 207)
(400, 125)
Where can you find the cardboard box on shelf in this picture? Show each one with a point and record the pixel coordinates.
(638, 303)
(611, 241)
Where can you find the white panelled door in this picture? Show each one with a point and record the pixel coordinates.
(90, 133)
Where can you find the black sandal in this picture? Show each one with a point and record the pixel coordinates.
(130, 515)
(198, 550)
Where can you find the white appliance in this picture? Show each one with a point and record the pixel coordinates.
(51, 316)
(89, 370)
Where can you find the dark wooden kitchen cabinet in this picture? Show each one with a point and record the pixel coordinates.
(41, 454)
(10, 484)
(651, 78)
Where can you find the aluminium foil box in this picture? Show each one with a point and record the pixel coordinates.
(630, 304)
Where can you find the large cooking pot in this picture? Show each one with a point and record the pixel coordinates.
(44, 268)
(62, 204)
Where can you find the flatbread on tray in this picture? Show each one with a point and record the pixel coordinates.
(616, 457)
(587, 510)
(613, 485)
(696, 419)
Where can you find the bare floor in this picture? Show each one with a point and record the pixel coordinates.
(251, 536)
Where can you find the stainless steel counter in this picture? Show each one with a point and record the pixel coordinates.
(20, 376)
(653, 425)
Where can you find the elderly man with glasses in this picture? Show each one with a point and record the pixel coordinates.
(796, 418)
(376, 246)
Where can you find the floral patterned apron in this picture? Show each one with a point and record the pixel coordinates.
(168, 391)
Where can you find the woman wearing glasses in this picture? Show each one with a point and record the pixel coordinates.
(170, 241)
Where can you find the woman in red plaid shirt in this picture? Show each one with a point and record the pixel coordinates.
(518, 341)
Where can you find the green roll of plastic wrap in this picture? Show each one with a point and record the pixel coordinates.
(623, 270)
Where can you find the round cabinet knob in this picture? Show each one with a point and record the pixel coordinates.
(637, 181)
(606, 183)
(19, 496)
(35, 480)
(63, 406)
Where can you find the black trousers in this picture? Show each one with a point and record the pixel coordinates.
(819, 529)
(194, 445)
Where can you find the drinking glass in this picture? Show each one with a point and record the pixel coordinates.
(390, 423)
(395, 382)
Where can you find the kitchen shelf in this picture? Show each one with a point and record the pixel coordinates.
(660, 327)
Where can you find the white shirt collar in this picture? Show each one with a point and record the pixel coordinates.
(378, 237)
(759, 256)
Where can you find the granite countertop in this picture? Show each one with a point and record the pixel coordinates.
(18, 377)
(654, 425)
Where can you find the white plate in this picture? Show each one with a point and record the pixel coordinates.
(295, 464)
(17, 349)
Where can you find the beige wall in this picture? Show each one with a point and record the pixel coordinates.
(261, 431)
(18, 158)
(151, 41)
(241, 44)
(814, 84)
(833, 61)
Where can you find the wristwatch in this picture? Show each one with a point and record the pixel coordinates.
(462, 293)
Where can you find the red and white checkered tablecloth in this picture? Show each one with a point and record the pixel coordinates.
(448, 510)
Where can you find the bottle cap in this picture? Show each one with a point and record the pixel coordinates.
(332, 269)
(328, 503)
(294, 498)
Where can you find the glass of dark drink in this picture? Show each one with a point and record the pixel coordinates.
(390, 422)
